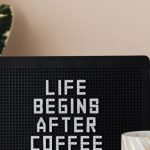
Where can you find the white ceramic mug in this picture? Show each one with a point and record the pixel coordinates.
(138, 140)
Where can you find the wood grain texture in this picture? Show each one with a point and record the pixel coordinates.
(136, 141)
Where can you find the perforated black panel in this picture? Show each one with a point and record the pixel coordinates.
(120, 89)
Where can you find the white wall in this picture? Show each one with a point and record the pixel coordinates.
(80, 27)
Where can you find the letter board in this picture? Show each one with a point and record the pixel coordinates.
(72, 103)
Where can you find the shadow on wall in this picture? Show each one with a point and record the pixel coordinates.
(21, 37)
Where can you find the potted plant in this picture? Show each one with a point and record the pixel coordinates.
(6, 18)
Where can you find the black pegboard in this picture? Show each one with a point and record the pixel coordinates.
(120, 83)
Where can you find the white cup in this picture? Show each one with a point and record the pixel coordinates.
(138, 140)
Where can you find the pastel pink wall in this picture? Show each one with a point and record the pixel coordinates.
(80, 27)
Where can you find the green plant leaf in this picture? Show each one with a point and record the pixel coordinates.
(5, 25)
